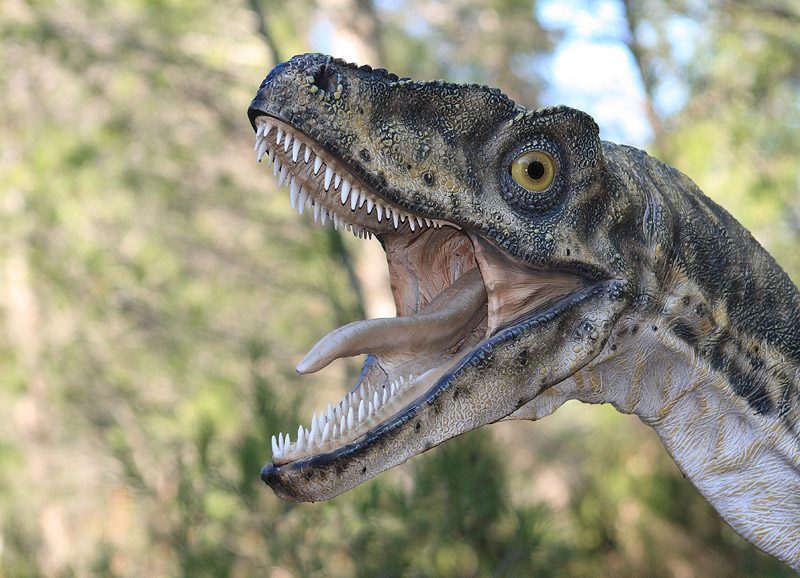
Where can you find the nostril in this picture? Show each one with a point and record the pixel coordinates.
(325, 78)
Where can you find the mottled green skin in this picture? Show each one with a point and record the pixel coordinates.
(741, 312)
(657, 256)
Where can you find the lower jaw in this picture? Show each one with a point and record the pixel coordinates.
(326, 475)
(387, 387)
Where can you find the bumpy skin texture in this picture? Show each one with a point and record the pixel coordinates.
(684, 319)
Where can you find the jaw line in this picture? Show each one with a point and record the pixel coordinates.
(271, 474)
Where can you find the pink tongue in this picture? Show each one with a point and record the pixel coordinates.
(439, 325)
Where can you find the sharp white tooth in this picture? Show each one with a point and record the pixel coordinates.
(330, 412)
(345, 192)
(370, 409)
(369, 235)
(323, 218)
(326, 181)
(342, 425)
(320, 421)
(288, 441)
(267, 128)
(279, 136)
(271, 155)
(385, 395)
(370, 205)
(350, 419)
(260, 130)
(326, 432)
(395, 219)
(394, 389)
(307, 154)
(412, 224)
(294, 190)
(283, 174)
(276, 168)
(336, 221)
(361, 411)
(301, 201)
(337, 180)
(361, 391)
(296, 149)
(353, 199)
(288, 142)
(403, 217)
(259, 140)
(362, 198)
(262, 148)
(335, 431)
(275, 451)
(316, 212)
(312, 435)
(376, 400)
(280, 443)
(317, 165)
(379, 211)
(301, 438)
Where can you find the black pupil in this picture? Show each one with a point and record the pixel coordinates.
(535, 170)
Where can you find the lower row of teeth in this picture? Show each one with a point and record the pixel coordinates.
(358, 408)
(300, 199)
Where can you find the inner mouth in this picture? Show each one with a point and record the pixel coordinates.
(451, 289)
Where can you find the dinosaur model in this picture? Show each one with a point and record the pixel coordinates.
(532, 263)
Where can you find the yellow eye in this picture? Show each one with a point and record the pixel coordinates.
(534, 170)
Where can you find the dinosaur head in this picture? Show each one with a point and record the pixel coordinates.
(490, 216)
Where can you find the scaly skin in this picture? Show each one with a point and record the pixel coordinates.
(679, 317)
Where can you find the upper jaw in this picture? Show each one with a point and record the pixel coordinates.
(332, 188)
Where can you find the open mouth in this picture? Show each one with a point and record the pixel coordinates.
(452, 290)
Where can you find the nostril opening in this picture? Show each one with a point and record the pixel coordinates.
(325, 78)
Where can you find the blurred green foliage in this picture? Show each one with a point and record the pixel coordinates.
(155, 291)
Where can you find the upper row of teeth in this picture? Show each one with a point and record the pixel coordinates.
(300, 198)
(358, 407)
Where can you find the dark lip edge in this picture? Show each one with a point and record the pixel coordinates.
(270, 470)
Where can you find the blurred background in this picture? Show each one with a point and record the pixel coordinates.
(156, 292)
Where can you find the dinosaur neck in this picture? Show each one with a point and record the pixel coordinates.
(718, 376)
(721, 382)
(747, 465)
